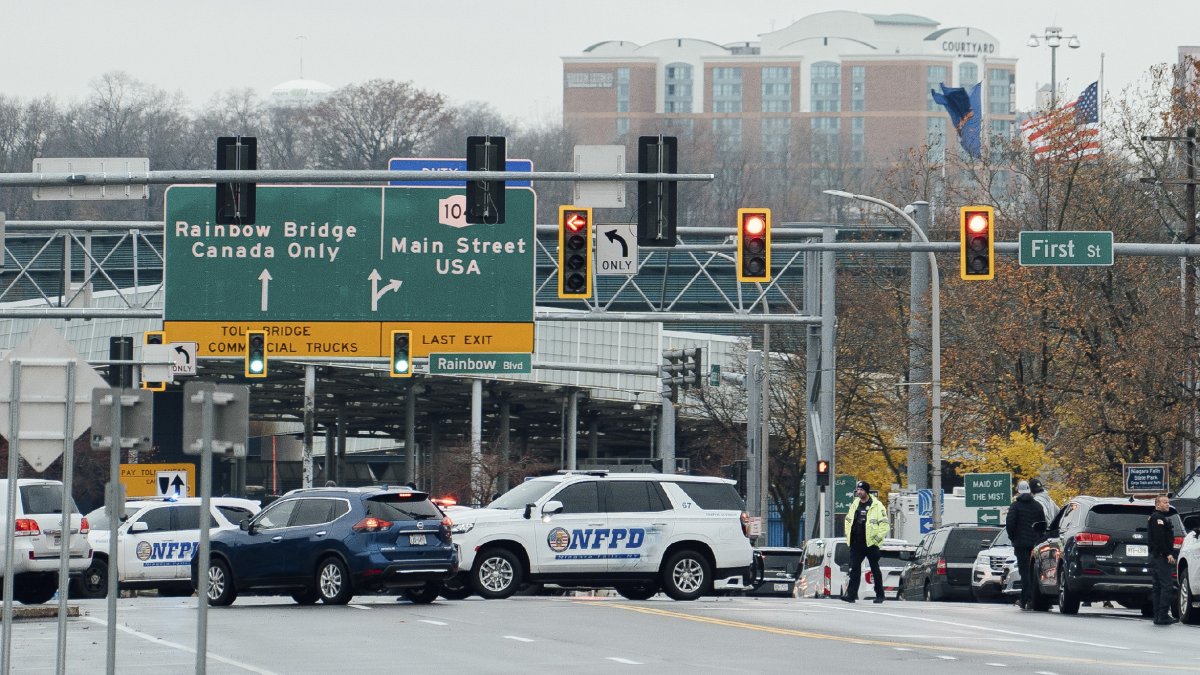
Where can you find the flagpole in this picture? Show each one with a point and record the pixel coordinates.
(983, 103)
(1100, 98)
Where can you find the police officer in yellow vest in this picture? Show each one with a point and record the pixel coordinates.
(866, 528)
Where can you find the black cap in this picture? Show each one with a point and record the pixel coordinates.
(1035, 486)
(864, 486)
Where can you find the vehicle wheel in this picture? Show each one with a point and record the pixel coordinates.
(455, 588)
(423, 595)
(638, 591)
(1068, 602)
(333, 582)
(93, 583)
(686, 576)
(308, 596)
(927, 593)
(497, 574)
(221, 591)
(1041, 601)
(900, 593)
(35, 589)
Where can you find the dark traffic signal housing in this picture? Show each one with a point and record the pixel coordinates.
(754, 245)
(153, 337)
(822, 472)
(256, 353)
(977, 242)
(235, 201)
(657, 199)
(400, 363)
(485, 198)
(574, 252)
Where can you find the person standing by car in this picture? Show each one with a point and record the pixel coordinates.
(1043, 498)
(866, 528)
(1025, 524)
(1162, 559)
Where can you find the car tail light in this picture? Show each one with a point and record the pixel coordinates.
(745, 524)
(27, 527)
(1091, 539)
(371, 524)
(1178, 542)
(447, 527)
(84, 527)
(1093, 571)
(941, 566)
(868, 578)
(828, 580)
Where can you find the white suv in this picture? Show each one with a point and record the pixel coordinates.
(39, 536)
(1189, 569)
(636, 532)
(158, 539)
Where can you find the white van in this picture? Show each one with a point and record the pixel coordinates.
(827, 566)
(39, 538)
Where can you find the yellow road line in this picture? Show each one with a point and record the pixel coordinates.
(885, 643)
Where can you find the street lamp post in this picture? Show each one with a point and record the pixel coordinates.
(935, 329)
(1053, 37)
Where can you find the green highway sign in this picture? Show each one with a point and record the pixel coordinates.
(714, 375)
(988, 489)
(1065, 248)
(480, 364)
(987, 517)
(348, 254)
(843, 493)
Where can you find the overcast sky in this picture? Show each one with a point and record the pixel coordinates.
(507, 52)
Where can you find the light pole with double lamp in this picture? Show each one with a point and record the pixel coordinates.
(935, 329)
(1053, 37)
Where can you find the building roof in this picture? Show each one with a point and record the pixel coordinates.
(901, 19)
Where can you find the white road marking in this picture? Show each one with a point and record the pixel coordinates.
(360, 607)
(182, 648)
(997, 665)
(1045, 672)
(902, 649)
(945, 657)
(518, 639)
(627, 662)
(436, 623)
(972, 638)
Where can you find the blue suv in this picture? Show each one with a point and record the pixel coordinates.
(329, 543)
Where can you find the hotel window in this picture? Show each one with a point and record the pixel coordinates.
(622, 90)
(858, 88)
(677, 88)
(934, 77)
(935, 139)
(968, 75)
(857, 140)
(727, 90)
(776, 133)
(825, 145)
(776, 89)
(826, 87)
(999, 91)
(728, 134)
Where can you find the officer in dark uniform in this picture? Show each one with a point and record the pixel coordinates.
(1162, 559)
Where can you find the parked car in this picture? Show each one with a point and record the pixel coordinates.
(781, 570)
(329, 543)
(826, 561)
(987, 574)
(1186, 498)
(38, 539)
(157, 540)
(1189, 571)
(1097, 548)
(941, 566)
(893, 558)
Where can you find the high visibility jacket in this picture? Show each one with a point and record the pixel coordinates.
(877, 521)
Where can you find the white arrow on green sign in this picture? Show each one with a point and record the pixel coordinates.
(1045, 248)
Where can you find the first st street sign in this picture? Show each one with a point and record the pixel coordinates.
(331, 271)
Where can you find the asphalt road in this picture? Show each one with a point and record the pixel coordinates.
(377, 634)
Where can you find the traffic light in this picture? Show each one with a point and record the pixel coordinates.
(235, 201)
(153, 337)
(692, 362)
(754, 245)
(977, 225)
(401, 361)
(657, 199)
(574, 252)
(485, 198)
(256, 353)
(822, 473)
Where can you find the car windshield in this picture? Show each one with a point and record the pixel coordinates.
(402, 506)
(43, 498)
(1002, 539)
(1126, 517)
(891, 559)
(98, 520)
(526, 493)
(783, 562)
(965, 542)
(841, 554)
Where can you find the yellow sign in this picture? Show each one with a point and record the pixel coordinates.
(351, 339)
(143, 480)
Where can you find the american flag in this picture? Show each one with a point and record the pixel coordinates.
(1071, 132)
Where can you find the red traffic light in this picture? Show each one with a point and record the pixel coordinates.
(575, 220)
(754, 223)
(977, 223)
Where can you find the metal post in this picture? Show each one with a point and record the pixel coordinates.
(310, 416)
(828, 371)
(918, 358)
(342, 430)
(410, 435)
(572, 428)
(64, 553)
(1053, 76)
(764, 480)
(207, 431)
(753, 432)
(477, 441)
(812, 346)
(666, 435)
(113, 511)
(10, 527)
(1190, 316)
(505, 444)
(593, 439)
(330, 452)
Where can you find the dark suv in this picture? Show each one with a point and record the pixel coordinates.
(941, 565)
(1097, 549)
(329, 543)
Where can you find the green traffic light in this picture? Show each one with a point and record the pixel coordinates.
(256, 366)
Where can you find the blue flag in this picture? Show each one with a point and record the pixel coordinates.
(965, 114)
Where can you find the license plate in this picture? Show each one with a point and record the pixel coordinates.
(416, 540)
(1139, 550)
(781, 587)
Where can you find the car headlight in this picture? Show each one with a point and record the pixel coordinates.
(461, 528)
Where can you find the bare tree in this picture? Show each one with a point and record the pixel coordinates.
(362, 126)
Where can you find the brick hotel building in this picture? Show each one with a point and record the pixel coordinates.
(835, 84)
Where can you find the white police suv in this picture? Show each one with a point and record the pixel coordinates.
(156, 543)
(639, 533)
(40, 537)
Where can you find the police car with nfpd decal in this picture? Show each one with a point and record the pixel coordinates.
(639, 533)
